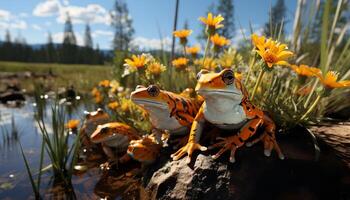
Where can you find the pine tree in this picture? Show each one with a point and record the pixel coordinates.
(69, 51)
(87, 37)
(7, 36)
(50, 49)
(69, 36)
(276, 20)
(122, 25)
(226, 9)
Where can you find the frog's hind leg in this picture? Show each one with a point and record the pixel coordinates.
(236, 141)
(269, 139)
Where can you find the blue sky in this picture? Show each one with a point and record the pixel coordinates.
(33, 19)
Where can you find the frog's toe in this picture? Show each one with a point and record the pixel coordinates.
(232, 159)
(281, 156)
(188, 160)
(267, 152)
(249, 144)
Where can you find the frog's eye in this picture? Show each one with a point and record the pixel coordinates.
(203, 71)
(99, 110)
(104, 130)
(139, 87)
(153, 90)
(228, 77)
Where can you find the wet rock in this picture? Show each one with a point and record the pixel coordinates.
(253, 176)
(5, 97)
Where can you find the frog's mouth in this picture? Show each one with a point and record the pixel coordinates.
(145, 102)
(218, 92)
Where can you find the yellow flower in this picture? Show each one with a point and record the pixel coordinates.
(113, 105)
(329, 81)
(114, 86)
(136, 62)
(180, 63)
(95, 92)
(305, 70)
(125, 105)
(182, 33)
(104, 83)
(155, 68)
(98, 98)
(274, 53)
(209, 63)
(219, 41)
(213, 22)
(258, 41)
(193, 50)
(72, 124)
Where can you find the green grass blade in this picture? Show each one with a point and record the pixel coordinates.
(34, 186)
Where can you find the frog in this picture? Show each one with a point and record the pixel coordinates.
(168, 111)
(92, 120)
(115, 135)
(145, 150)
(227, 106)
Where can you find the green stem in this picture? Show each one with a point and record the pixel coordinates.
(313, 106)
(311, 93)
(261, 74)
(249, 70)
(185, 53)
(206, 48)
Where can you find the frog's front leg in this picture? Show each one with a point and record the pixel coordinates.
(112, 158)
(236, 141)
(193, 141)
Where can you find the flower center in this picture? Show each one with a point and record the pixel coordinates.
(270, 57)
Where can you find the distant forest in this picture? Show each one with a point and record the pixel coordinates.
(68, 52)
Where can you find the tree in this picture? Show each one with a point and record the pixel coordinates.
(277, 19)
(50, 49)
(87, 37)
(7, 36)
(122, 24)
(69, 48)
(226, 9)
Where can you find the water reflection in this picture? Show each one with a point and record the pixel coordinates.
(88, 182)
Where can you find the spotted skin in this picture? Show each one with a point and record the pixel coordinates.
(224, 90)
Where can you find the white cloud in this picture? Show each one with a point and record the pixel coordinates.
(9, 21)
(151, 44)
(47, 8)
(91, 13)
(5, 15)
(36, 27)
(102, 33)
(58, 38)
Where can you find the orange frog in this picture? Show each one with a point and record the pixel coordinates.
(168, 111)
(227, 106)
(114, 135)
(92, 120)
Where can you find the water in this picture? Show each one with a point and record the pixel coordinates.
(88, 184)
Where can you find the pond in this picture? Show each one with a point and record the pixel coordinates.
(18, 124)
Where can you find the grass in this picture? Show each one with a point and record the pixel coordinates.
(83, 77)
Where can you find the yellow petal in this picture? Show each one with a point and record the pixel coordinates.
(282, 62)
(284, 55)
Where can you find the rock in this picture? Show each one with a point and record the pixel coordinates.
(253, 176)
(336, 136)
(11, 96)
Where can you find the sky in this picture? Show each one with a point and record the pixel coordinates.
(152, 19)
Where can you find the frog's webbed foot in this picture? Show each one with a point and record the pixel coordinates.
(225, 144)
(188, 149)
(108, 165)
